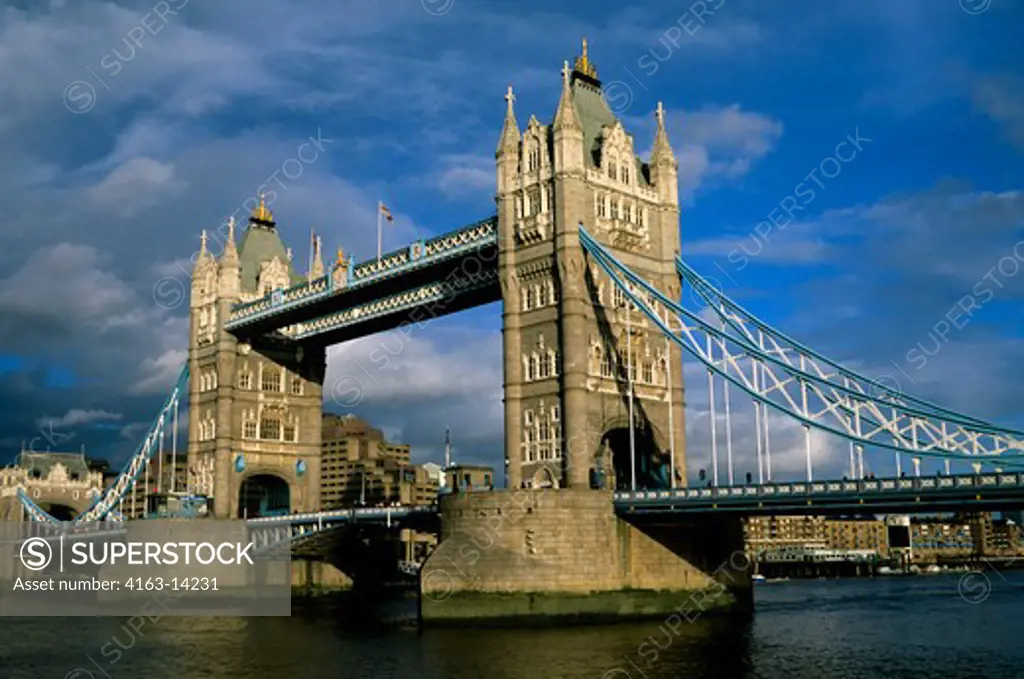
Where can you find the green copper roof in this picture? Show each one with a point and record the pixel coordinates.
(261, 244)
(593, 113)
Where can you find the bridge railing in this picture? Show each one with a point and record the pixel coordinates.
(937, 484)
(336, 515)
(414, 256)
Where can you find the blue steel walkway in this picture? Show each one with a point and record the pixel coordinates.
(983, 492)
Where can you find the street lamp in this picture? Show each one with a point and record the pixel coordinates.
(917, 466)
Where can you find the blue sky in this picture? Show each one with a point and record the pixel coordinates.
(127, 129)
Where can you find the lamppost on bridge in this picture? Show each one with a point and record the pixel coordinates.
(917, 466)
(976, 466)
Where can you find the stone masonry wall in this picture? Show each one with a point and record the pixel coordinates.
(566, 541)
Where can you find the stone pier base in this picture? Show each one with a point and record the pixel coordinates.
(557, 556)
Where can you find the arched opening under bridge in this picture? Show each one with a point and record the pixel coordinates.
(59, 511)
(653, 468)
(263, 495)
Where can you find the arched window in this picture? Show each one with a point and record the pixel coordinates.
(296, 385)
(248, 425)
(625, 174)
(532, 374)
(291, 430)
(270, 427)
(271, 380)
(619, 297)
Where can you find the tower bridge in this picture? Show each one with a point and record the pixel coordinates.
(62, 484)
(584, 256)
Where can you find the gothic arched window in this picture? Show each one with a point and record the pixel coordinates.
(270, 426)
(271, 379)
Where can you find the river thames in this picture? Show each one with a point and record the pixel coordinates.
(925, 626)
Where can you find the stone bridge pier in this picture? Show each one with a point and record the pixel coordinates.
(516, 555)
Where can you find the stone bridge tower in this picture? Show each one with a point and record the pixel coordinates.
(254, 408)
(566, 351)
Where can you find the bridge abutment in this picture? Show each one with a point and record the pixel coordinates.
(510, 557)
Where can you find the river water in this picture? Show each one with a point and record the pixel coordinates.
(925, 626)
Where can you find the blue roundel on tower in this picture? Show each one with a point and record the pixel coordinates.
(239, 463)
(300, 467)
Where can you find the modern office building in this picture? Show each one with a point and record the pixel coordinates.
(359, 466)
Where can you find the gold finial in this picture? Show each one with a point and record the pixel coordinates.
(584, 65)
(261, 212)
(341, 256)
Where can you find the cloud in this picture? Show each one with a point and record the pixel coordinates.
(1001, 97)
(713, 145)
(418, 381)
(949, 231)
(77, 417)
(134, 186)
(466, 174)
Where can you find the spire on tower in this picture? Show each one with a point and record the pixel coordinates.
(229, 258)
(584, 65)
(509, 140)
(565, 117)
(662, 150)
(261, 214)
(317, 269)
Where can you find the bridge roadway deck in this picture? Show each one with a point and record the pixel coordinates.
(983, 492)
(372, 282)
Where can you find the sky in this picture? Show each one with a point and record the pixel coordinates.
(850, 171)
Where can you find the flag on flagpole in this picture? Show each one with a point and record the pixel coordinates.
(382, 211)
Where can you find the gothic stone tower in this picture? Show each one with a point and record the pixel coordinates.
(254, 408)
(565, 331)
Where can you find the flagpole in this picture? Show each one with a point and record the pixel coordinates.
(380, 229)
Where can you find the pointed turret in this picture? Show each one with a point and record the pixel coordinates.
(509, 140)
(662, 149)
(204, 273)
(664, 167)
(317, 270)
(568, 133)
(230, 281)
(204, 255)
(508, 146)
(566, 117)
